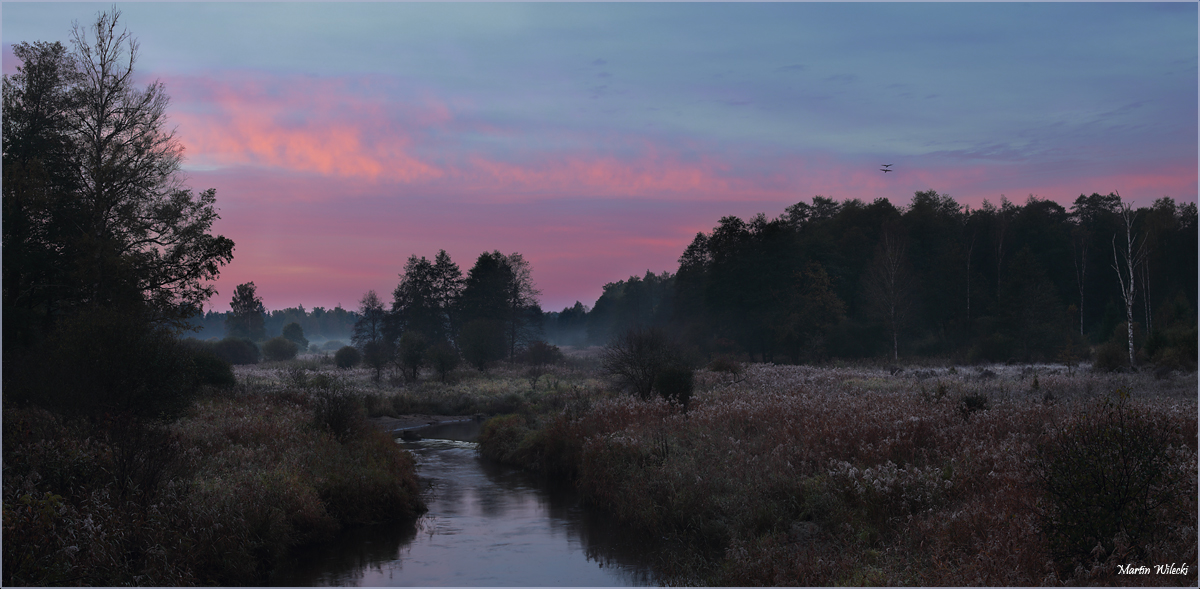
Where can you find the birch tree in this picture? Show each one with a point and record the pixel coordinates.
(1127, 263)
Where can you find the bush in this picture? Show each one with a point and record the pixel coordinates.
(333, 345)
(1111, 357)
(725, 364)
(294, 333)
(278, 349)
(102, 361)
(444, 358)
(540, 353)
(209, 369)
(237, 350)
(1108, 473)
(675, 383)
(637, 357)
(347, 357)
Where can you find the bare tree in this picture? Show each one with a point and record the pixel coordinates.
(889, 285)
(1079, 246)
(1134, 256)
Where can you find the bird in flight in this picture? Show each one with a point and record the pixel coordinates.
(885, 170)
(887, 165)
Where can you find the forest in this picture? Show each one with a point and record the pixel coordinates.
(1024, 283)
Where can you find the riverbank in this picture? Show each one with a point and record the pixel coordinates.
(795, 476)
(218, 497)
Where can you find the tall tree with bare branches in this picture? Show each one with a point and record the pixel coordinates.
(1133, 255)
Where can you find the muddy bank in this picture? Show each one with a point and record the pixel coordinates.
(411, 422)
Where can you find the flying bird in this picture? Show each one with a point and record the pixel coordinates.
(886, 165)
(884, 170)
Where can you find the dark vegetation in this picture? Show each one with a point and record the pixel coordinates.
(131, 456)
(846, 280)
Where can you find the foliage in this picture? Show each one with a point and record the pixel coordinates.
(294, 333)
(802, 476)
(413, 350)
(376, 355)
(235, 350)
(637, 357)
(279, 348)
(1111, 477)
(675, 383)
(105, 361)
(482, 342)
(370, 325)
(444, 358)
(210, 369)
(245, 319)
(540, 353)
(347, 357)
(95, 212)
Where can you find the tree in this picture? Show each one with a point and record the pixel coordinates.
(412, 352)
(1127, 263)
(415, 304)
(482, 342)
(888, 287)
(95, 187)
(246, 314)
(637, 357)
(369, 327)
(294, 333)
(500, 288)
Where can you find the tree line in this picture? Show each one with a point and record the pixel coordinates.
(828, 279)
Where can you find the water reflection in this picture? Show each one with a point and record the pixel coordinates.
(487, 525)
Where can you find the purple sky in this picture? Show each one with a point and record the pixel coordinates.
(597, 139)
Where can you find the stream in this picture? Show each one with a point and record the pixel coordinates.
(487, 525)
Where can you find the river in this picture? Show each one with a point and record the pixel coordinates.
(487, 525)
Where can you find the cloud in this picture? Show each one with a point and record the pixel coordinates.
(302, 125)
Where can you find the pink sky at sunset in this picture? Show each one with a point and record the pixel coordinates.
(596, 140)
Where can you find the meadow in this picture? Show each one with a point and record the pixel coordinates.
(773, 475)
(794, 475)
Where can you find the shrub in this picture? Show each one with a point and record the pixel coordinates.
(347, 357)
(294, 333)
(209, 369)
(338, 411)
(333, 345)
(725, 364)
(237, 350)
(1111, 357)
(675, 383)
(540, 353)
(1107, 473)
(444, 358)
(278, 349)
(103, 361)
(637, 357)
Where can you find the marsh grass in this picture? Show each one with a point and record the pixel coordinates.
(217, 497)
(787, 475)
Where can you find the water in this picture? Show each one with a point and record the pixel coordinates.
(487, 525)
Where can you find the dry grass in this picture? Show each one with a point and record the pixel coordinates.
(788, 475)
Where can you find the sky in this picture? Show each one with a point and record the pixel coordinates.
(598, 139)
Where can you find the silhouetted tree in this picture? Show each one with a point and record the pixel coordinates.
(369, 327)
(295, 334)
(92, 186)
(246, 314)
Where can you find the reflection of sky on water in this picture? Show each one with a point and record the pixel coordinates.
(487, 525)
